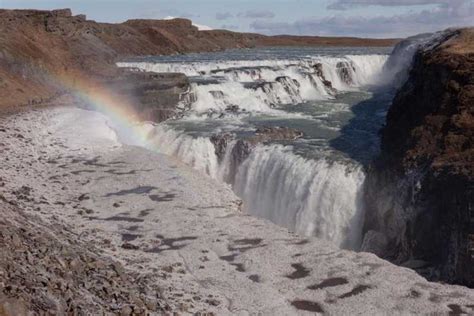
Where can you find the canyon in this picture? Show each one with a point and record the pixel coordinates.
(96, 203)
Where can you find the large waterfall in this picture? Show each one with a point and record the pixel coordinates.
(308, 185)
(313, 197)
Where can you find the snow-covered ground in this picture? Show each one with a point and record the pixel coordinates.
(157, 215)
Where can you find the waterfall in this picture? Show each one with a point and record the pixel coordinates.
(314, 197)
(311, 197)
(261, 86)
(396, 69)
(197, 152)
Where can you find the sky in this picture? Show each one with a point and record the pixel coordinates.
(362, 18)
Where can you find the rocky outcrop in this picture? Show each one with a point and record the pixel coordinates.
(267, 134)
(318, 69)
(44, 270)
(344, 70)
(421, 190)
(241, 148)
(156, 96)
(261, 135)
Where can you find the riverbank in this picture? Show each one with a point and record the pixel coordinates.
(177, 230)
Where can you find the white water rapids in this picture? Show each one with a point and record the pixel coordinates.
(312, 196)
(259, 86)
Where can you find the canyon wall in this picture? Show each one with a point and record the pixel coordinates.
(420, 192)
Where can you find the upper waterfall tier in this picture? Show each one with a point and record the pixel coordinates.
(241, 84)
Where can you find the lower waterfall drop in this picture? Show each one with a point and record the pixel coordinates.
(313, 198)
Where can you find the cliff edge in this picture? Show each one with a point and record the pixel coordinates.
(423, 217)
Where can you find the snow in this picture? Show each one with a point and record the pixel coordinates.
(191, 235)
(81, 130)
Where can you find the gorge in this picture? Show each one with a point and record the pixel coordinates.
(351, 145)
(297, 178)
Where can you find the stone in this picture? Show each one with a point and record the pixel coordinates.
(129, 246)
(126, 311)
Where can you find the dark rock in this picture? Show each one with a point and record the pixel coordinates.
(217, 94)
(331, 282)
(130, 246)
(307, 306)
(46, 270)
(318, 67)
(242, 148)
(83, 197)
(266, 134)
(344, 71)
(300, 272)
(420, 193)
(221, 142)
(213, 302)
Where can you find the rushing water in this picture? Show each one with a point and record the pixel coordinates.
(336, 96)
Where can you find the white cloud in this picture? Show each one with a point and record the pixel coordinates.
(224, 15)
(257, 15)
(375, 26)
(348, 4)
(230, 27)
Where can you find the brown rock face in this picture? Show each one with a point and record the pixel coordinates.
(421, 192)
(431, 120)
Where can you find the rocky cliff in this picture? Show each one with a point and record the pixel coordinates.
(44, 54)
(421, 190)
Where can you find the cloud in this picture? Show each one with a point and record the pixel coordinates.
(401, 25)
(348, 4)
(257, 15)
(224, 15)
(230, 27)
(181, 14)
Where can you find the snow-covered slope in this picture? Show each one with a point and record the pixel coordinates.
(185, 231)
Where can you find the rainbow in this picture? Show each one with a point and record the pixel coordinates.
(118, 109)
